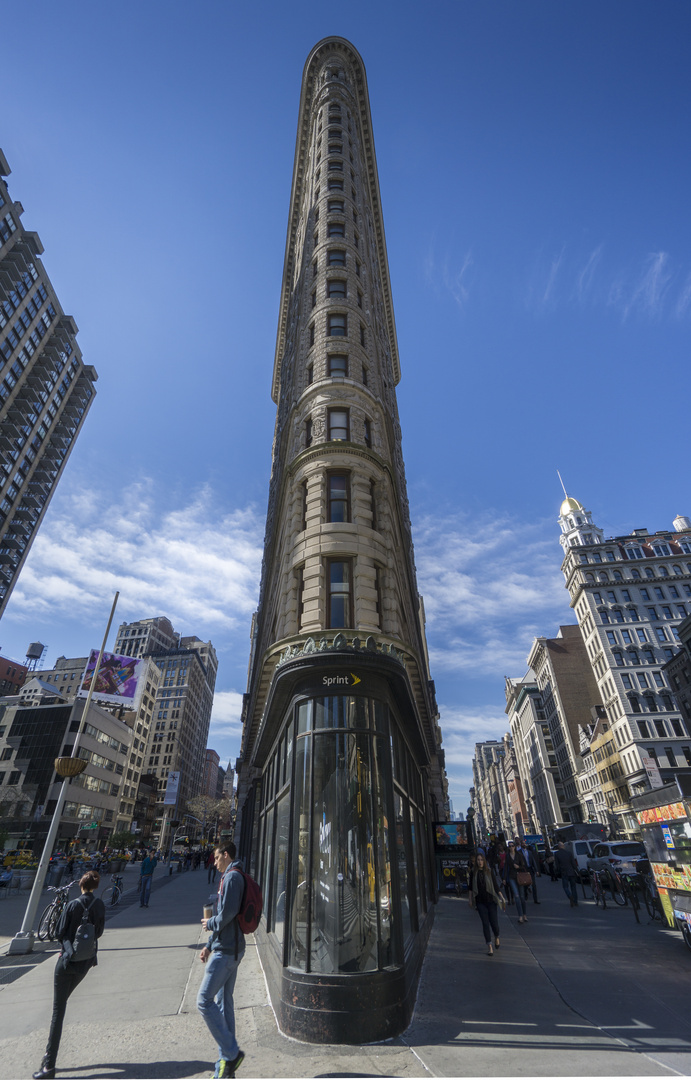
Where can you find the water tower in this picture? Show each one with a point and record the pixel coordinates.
(35, 654)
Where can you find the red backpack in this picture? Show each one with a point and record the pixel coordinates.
(252, 903)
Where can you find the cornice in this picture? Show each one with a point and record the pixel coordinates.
(370, 177)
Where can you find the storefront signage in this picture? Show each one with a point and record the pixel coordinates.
(450, 835)
(340, 680)
(652, 769)
(661, 813)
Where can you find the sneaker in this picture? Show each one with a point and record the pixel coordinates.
(228, 1068)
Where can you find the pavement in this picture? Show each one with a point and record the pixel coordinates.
(570, 993)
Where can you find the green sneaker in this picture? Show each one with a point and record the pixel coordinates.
(229, 1068)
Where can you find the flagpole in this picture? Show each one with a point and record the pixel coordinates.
(23, 941)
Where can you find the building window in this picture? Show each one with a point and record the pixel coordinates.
(311, 335)
(335, 166)
(635, 704)
(618, 659)
(310, 374)
(303, 500)
(336, 288)
(336, 206)
(373, 503)
(362, 336)
(337, 325)
(339, 424)
(336, 257)
(314, 298)
(642, 679)
(315, 267)
(365, 376)
(335, 228)
(626, 682)
(660, 633)
(308, 433)
(378, 602)
(338, 365)
(335, 183)
(337, 506)
(368, 432)
(339, 601)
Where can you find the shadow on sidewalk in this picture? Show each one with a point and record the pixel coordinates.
(132, 1070)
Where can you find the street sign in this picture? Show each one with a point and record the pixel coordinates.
(94, 825)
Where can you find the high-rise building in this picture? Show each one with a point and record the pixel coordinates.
(630, 593)
(45, 388)
(182, 709)
(210, 777)
(341, 770)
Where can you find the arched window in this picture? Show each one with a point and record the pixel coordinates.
(663, 571)
(617, 575)
(635, 574)
(603, 576)
(590, 578)
(677, 570)
(649, 572)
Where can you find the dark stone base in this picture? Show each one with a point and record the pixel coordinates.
(350, 1009)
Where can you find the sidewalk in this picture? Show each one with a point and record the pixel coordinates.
(135, 1015)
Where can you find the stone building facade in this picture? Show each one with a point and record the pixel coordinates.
(46, 390)
(338, 671)
(630, 594)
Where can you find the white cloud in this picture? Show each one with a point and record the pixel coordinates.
(453, 280)
(226, 713)
(462, 728)
(194, 564)
(490, 586)
(584, 277)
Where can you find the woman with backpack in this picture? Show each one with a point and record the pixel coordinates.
(81, 924)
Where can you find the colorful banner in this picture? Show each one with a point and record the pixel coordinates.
(450, 834)
(667, 877)
(118, 679)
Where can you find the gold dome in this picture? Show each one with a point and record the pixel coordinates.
(570, 506)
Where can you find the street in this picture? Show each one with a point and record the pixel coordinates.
(573, 992)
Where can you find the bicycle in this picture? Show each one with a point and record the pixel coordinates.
(48, 923)
(651, 897)
(111, 895)
(629, 888)
(598, 891)
(611, 880)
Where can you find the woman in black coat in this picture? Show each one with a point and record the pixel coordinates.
(69, 973)
(515, 864)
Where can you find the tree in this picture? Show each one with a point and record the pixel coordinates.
(121, 840)
(209, 810)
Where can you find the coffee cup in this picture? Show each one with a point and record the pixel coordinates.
(208, 911)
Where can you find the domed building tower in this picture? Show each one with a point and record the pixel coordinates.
(341, 769)
(576, 524)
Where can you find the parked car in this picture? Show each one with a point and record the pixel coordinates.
(623, 854)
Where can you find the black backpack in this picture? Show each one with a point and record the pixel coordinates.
(84, 943)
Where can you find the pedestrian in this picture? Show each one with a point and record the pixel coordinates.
(146, 877)
(514, 865)
(222, 955)
(70, 865)
(69, 973)
(568, 867)
(211, 868)
(485, 899)
(549, 862)
(534, 868)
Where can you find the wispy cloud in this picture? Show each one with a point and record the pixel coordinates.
(196, 565)
(647, 293)
(490, 585)
(225, 717)
(683, 303)
(462, 729)
(440, 274)
(586, 275)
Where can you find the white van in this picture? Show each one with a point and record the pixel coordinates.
(582, 850)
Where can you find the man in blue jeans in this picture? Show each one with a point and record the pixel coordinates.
(146, 876)
(222, 954)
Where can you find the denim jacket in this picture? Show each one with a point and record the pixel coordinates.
(225, 934)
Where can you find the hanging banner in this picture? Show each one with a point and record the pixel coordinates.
(118, 679)
(171, 795)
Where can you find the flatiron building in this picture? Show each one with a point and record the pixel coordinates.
(341, 770)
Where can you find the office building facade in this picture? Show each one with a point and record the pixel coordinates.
(630, 594)
(181, 712)
(341, 769)
(46, 390)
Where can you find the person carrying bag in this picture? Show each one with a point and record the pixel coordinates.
(80, 926)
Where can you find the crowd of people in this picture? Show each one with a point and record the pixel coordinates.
(506, 872)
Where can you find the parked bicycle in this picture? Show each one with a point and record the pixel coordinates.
(48, 923)
(598, 890)
(611, 880)
(651, 897)
(111, 895)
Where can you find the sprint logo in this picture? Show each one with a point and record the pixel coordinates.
(341, 680)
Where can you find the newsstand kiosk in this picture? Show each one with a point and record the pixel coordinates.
(664, 816)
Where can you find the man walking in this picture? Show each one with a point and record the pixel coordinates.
(530, 858)
(568, 868)
(222, 955)
(146, 875)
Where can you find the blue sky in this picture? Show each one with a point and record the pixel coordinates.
(535, 174)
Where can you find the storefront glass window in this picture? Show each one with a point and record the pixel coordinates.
(402, 859)
(278, 896)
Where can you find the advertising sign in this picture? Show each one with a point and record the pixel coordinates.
(171, 795)
(652, 770)
(118, 679)
(450, 835)
(671, 812)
